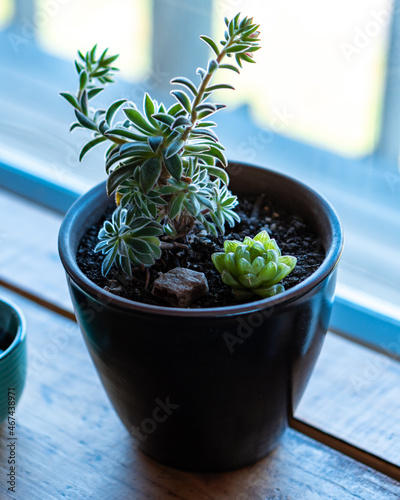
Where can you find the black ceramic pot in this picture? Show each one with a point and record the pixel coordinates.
(207, 389)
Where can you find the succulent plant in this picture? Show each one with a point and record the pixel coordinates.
(128, 239)
(254, 266)
(165, 165)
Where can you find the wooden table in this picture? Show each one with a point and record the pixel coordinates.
(343, 444)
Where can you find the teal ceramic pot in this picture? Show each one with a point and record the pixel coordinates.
(208, 390)
(13, 360)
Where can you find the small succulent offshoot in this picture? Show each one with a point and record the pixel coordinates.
(165, 165)
(253, 267)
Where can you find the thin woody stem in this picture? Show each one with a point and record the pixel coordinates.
(202, 89)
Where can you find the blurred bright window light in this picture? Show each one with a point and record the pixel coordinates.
(319, 76)
(6, 12)
(124, 26)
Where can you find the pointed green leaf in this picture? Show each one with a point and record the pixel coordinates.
(237, 48)
(100, 73)
(181, 121)
(258, 264)
(183, 99)
(120, 132)
(149, 110)
(176, 109)
(93, 54)
(196, 148)
(243, 267)
(117, 177)
(229, 280)
(289, 261)
(110, 60)
(90, 145)
(134, 147)
(71, 99)
(136, 223)
(242, 252)
(109, 261)
(93, 92)
(210, 42)
(272, 256)
(169, 189)
(246, 58)
(84, 103)
(273, 245)
(218, 261)
(74, 126)
(85, 121)
(229, 66)
(176, 206)
(231, 245)
(149, 173)
(78, 67)
(155, 142)
(148, 231)
(113, 109)
(282, 271)
(174, 148)
(219, 173)
(139, 246)
(83, 79)
(174, 166)
(256, 250)
(262, 237)
(180, 80)
(139, 121)
(206, 106)
(164, 118)
(103, 127)
(250, 281)
(268, 273)
(220, 86)
(230, 263)
(248, 241)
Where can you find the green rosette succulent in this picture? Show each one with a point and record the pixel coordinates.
(254, 266)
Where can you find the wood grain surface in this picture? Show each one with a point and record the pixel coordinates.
(354, 394)
(28, 249)
(71, 445)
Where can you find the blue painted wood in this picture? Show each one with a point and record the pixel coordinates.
(46, 193)
(366, 325)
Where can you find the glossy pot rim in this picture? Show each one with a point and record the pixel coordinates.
(78, 210)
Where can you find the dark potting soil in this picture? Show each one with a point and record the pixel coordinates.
(291, 232)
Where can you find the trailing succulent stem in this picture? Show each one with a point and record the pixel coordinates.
(253, 267)
(165, 165)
